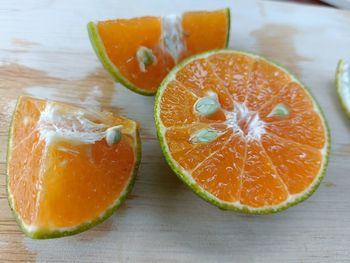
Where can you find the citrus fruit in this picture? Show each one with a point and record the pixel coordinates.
(343, 85)
(241, 132)
(68, 168)
(139, 52)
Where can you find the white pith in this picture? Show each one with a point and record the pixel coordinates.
(255, 126)
(258, 131)
(172, 36)
(344, 84)
(80, 129)
(57, 124)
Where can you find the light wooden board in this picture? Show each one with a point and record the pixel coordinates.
(45, 52)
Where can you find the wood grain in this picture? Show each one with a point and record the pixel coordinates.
(45, 52)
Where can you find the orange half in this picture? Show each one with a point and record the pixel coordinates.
(242, 132)
(139, 52)
(64, 174)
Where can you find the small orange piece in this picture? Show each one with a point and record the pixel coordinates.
(163, 41)
(63, 176)
(265, 148)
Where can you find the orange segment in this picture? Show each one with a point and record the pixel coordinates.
(275, 147)
(26, 139)
(200, 78)
(87, 174)
(169, 39)
(122, 38)
(302, 125)
(295, 99)
(296, 164)
(63, 177)
(189, 155)
(200, 27)
(220, 173)
(267, 82)
(175, 105)
(306, 129)
(261, 184)
(23, 185)
(236, 73)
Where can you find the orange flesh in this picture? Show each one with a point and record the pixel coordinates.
(122, 38)
(256, 165)
(204, 31)
(63, 184)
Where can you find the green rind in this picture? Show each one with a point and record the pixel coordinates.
(47, 233)
(197, 189)
(228, 14)
(338, 87)
(108, 65)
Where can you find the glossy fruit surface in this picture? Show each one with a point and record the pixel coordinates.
(264, 148)
(139, 52)
(69, 168)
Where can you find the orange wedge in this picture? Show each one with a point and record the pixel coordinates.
(139, 52)
(241, 132)
(68, 168)
(343, 85)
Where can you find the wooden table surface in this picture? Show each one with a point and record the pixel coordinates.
(45, 52)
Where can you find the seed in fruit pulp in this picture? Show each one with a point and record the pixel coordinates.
(207, 106)
(113, 135)
(145, 57)
(280, 110)
(204, 136)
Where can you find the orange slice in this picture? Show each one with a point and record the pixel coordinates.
(139, 52)
(343, 85)
(68, 168)
(242, 132)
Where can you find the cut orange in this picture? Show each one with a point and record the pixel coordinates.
(242, 132)
(343, 85)
(68, 168)
(139, 52)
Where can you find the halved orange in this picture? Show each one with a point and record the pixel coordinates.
(242, 132)
(139, 52)
(68, 168)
